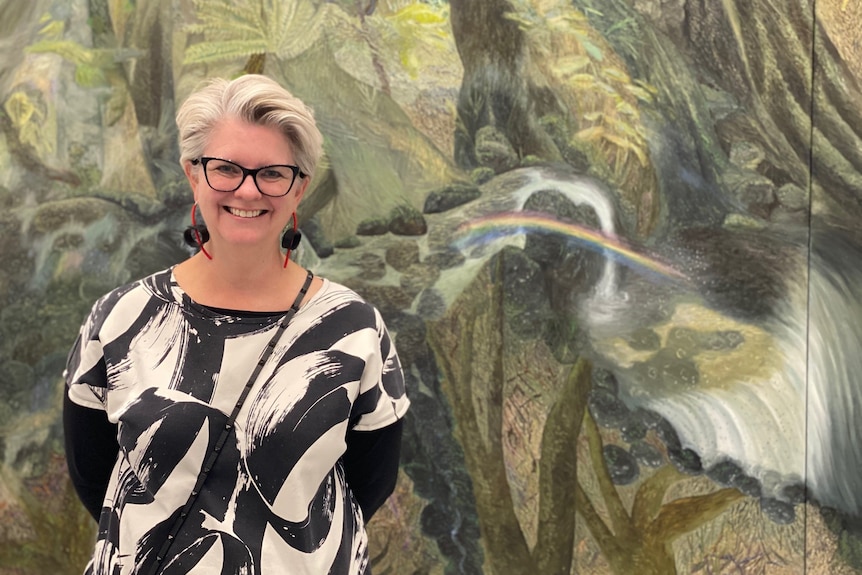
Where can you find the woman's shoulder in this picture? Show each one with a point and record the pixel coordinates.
(331, 290)
(333, 295)
(157, 284)
(157, 280)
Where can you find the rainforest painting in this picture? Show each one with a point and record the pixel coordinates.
(616, 242)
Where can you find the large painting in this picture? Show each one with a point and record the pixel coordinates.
(616, 243)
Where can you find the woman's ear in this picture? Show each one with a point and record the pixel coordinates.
(193, 174)
(190, 171)
(300, 191)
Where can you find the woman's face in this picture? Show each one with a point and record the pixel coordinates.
(245, 216)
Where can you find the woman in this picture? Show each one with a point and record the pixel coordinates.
(234, 413)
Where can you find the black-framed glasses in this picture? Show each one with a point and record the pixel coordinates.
(227, 176)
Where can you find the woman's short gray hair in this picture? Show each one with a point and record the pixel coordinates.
(255, 99)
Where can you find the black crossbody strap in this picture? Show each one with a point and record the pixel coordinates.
(228, 426)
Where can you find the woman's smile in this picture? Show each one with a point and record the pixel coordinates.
(244, 213)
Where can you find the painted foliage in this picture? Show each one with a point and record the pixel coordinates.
(615, 242)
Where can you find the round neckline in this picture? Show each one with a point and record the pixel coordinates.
(185, 301)
(243, 313)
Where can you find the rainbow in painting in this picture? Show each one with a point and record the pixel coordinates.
(488, 228)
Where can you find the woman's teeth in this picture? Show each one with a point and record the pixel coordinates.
(245, 213)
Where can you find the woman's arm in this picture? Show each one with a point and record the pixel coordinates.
(91, 452)
(371, 465)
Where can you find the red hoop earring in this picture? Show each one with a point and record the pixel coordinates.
(290, 240)
(197, 235)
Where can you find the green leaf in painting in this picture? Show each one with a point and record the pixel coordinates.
(594, 51)
(88, 76)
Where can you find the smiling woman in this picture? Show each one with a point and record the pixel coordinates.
(233, 413)
(246, 215)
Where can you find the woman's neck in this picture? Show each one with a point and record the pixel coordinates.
(260, 284)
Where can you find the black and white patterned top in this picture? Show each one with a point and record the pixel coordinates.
(168, 371)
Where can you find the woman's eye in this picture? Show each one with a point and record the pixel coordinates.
(272, 174)
(227, 170)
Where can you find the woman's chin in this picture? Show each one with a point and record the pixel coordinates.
(248, 239)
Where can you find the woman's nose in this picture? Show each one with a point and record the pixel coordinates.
(248, 186)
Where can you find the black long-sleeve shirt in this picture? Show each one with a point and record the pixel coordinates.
(370, 462)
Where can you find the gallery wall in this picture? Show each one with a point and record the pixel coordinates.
(616, 243)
